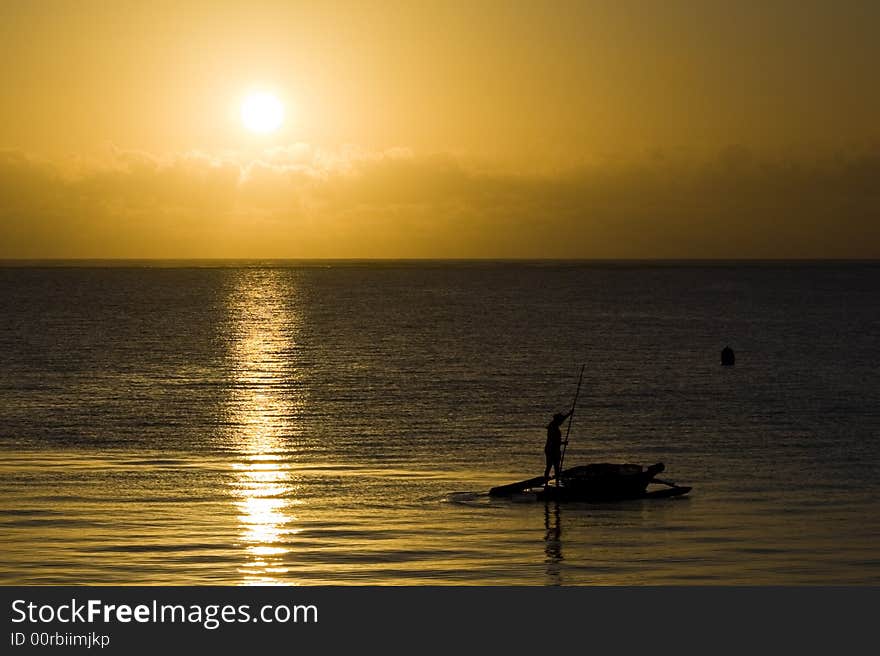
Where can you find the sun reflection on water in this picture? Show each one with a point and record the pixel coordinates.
(260, 412)
(265, 514)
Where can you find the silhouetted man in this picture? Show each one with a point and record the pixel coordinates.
(553, 447)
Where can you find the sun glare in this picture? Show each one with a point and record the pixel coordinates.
(262, 113)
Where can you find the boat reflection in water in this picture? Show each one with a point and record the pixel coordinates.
(261, 410)
(552, 543)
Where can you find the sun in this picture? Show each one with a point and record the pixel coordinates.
(262, 113)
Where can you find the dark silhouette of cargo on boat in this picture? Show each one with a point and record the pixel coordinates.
(728, 359)
(597, 482)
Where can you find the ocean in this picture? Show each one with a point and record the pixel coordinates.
(303, 423)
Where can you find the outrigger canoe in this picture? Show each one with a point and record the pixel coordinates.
(596, 482)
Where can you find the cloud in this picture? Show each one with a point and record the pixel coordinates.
(301, 201)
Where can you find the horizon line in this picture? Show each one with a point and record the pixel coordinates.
(124, 261)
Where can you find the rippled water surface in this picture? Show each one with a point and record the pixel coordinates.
(340, 424)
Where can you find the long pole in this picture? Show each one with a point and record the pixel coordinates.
(570, 420)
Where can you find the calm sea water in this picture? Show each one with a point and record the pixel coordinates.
(340, 424)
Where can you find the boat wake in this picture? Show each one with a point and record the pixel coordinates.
(467, 498)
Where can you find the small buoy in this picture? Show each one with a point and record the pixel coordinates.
(727, 357)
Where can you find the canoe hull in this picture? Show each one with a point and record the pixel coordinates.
(596, 482)
(562, 493)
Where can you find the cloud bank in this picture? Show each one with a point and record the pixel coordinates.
(302, 202)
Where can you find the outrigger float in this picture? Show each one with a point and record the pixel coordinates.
(596, 482)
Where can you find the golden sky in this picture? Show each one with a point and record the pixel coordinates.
(441, 129)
